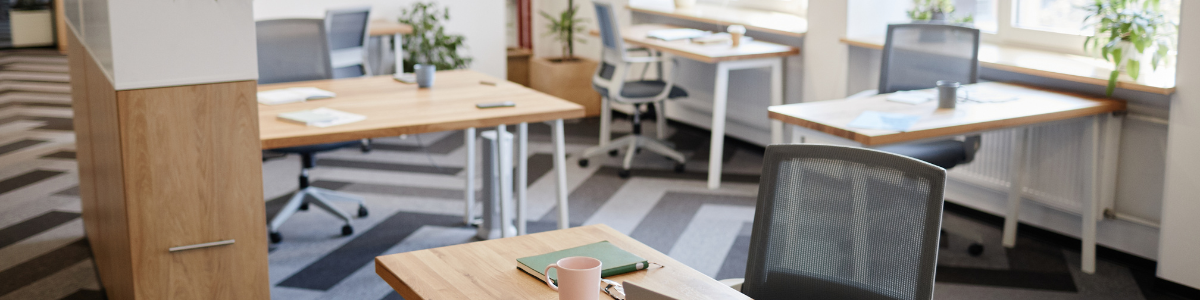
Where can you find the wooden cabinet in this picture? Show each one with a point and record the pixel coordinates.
(169, 167)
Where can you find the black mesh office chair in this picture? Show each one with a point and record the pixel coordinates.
(837, 222)
(347, 34)
(609, 80)
(915, 57)
(296, 50)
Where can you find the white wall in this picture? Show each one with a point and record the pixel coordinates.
(825, 57)
(482, 22)
(1179, 246)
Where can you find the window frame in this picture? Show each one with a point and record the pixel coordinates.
(1007, 33)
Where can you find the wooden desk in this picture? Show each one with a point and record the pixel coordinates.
(828, 122)
(394, 108)
(750, 55)
(487, 269)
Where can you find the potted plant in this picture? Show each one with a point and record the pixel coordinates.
(1128, 33)
(935, 10)
(568, 77)
(429, 48)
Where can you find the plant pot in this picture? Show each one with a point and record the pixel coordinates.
(569, 80)
(685, 3)
(424, 75)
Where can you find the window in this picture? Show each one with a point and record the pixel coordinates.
(1054, 25)
(797, 7)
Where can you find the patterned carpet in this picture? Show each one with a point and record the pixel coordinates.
(413, 188)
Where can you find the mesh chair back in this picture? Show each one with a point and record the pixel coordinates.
(837, 222)
(917, 55)
(292, 50)
(610, 35)
(347, 33)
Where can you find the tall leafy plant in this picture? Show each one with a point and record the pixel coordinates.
(565, 29)
(1127, 33)
(429, 43)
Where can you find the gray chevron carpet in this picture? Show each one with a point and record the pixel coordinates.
(413, 187)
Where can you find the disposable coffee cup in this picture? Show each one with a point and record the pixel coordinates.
(947, 93)
(735, 34)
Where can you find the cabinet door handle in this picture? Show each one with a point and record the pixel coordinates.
(198, 246)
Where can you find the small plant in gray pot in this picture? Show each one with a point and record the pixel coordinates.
(429, 48)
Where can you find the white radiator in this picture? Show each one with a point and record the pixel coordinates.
(1056, 173)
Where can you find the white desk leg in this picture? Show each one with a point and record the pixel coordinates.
(506, 183)
(398, 43)
(560, 170)
(522, 175)
(469, 190)
(717, 147)
(1092, 192)
(605, 122)
(777, 99)
(1016, 184)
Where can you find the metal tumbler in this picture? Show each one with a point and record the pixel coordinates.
(947, 93)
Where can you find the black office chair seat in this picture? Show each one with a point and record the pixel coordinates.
(945, 154)
(645, 89)
(316, 148)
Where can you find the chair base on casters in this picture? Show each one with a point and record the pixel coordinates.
(321, 197)
(632, 143)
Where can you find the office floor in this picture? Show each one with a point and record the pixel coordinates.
(414, 193)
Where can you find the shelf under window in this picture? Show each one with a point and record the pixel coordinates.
(1077, 68)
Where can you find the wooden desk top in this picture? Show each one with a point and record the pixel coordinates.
(488, 269)
(753, 19)
(1031, 107)
(387, 27)
(636, 35)
(394, 108)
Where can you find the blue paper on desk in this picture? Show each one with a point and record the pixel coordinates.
(885, 121)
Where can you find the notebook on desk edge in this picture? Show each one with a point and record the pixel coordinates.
(613, 260)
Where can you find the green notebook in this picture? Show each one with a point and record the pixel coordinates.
(613, 260)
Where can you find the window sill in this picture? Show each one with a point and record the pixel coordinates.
(753, 19)
(1077, 68)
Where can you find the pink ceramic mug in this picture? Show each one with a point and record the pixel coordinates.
(578, 278)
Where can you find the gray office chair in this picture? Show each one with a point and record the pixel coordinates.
(347, 33)
(346, 30)
(296, 50)
(610, 82)
(916, 56)
(836, 222)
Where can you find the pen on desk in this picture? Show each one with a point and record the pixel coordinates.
(484, 82)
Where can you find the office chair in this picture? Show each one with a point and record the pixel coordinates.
(296, 50)
(836, 222)
(347, 32)
(610, 82)
(916, 56)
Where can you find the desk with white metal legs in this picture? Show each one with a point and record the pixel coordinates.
(827, 122)
(522, 177)
(748, 55)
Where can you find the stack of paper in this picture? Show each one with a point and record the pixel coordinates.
(321, 117)
(676, 34)
(884, 121)
(290, 95)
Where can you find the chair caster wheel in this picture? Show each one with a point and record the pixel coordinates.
(679, 167)
(347, 230)
(623, 174)
(362, 211)
(975, 249)
(275, 237)
(304, 206)
(613, 153)
(583, 163)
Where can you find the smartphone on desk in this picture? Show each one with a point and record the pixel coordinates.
(495, 104)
